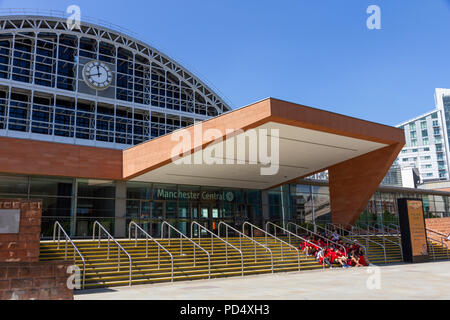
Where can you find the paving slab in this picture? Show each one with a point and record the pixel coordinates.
(429, 281)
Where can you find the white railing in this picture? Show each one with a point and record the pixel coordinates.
(213, 235)
(242, 235)
(170, 227)
(147, 237)
(441, 238)
(65, 15)
(119, 247)
(252, 227)
(275, 227)
(366, 238)
(346, 240)
(326, 240)
(58, 226)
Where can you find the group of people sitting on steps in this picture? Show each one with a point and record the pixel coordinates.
(334, 251)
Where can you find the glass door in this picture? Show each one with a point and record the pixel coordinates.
(145, 213)
(200, 213)
(215, 218)
(158, 214)
(204, 218)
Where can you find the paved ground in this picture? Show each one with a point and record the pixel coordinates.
(404, 281)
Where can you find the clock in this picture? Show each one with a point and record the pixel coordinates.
(97, 75)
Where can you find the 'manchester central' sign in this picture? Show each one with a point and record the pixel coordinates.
(192, 195)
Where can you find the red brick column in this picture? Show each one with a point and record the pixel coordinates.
(35, 281)
(22, 275)
(24, 246)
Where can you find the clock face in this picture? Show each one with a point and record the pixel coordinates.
(97, 75)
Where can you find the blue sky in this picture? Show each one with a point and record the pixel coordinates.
(318, 53)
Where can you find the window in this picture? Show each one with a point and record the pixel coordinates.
(435, 123)
(415, 150)
(438, 139)
(404, 151)
(434, 115)
(424, 133)
(439, 147)
(423, 125)
(405, 159)
(437, 131)
(429, 175)
(425, 141)
(414, 142)
(426, 149)
(413, 134)
(412, 126)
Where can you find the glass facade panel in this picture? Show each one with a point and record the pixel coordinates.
(13, 185)
(51, 187)
(96, 188)
(77, 203)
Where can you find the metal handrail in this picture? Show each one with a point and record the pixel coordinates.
(252, 226)
(227, 226)
(348, 240)
(212, 242)
(147, 236)
(397, 228)
(387, 233)
(438, 232)
(341, 227)
(182, 235)
(317, 235)
(119, 247)
(441, 240)
(75, 249)
(371, 241)
(372, 231)
(377, 225)
(268, 223)
(432, 247)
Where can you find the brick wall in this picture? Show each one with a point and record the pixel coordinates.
(35, 281)
(439, 224)
(24, 246)
(22, 275)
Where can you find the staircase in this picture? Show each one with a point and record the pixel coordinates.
(437, 251)
(103, 272)
(375, 253)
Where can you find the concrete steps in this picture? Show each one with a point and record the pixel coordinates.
(102, 270)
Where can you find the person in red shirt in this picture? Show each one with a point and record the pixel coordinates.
(354, 259)
(341, 258)
(331, 255)
(362, 259)
(307, 247)
(321, 257)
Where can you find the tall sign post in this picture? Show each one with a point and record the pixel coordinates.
(412, 224)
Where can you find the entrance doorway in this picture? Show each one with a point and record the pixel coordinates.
(152, 214)
(209, 215)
